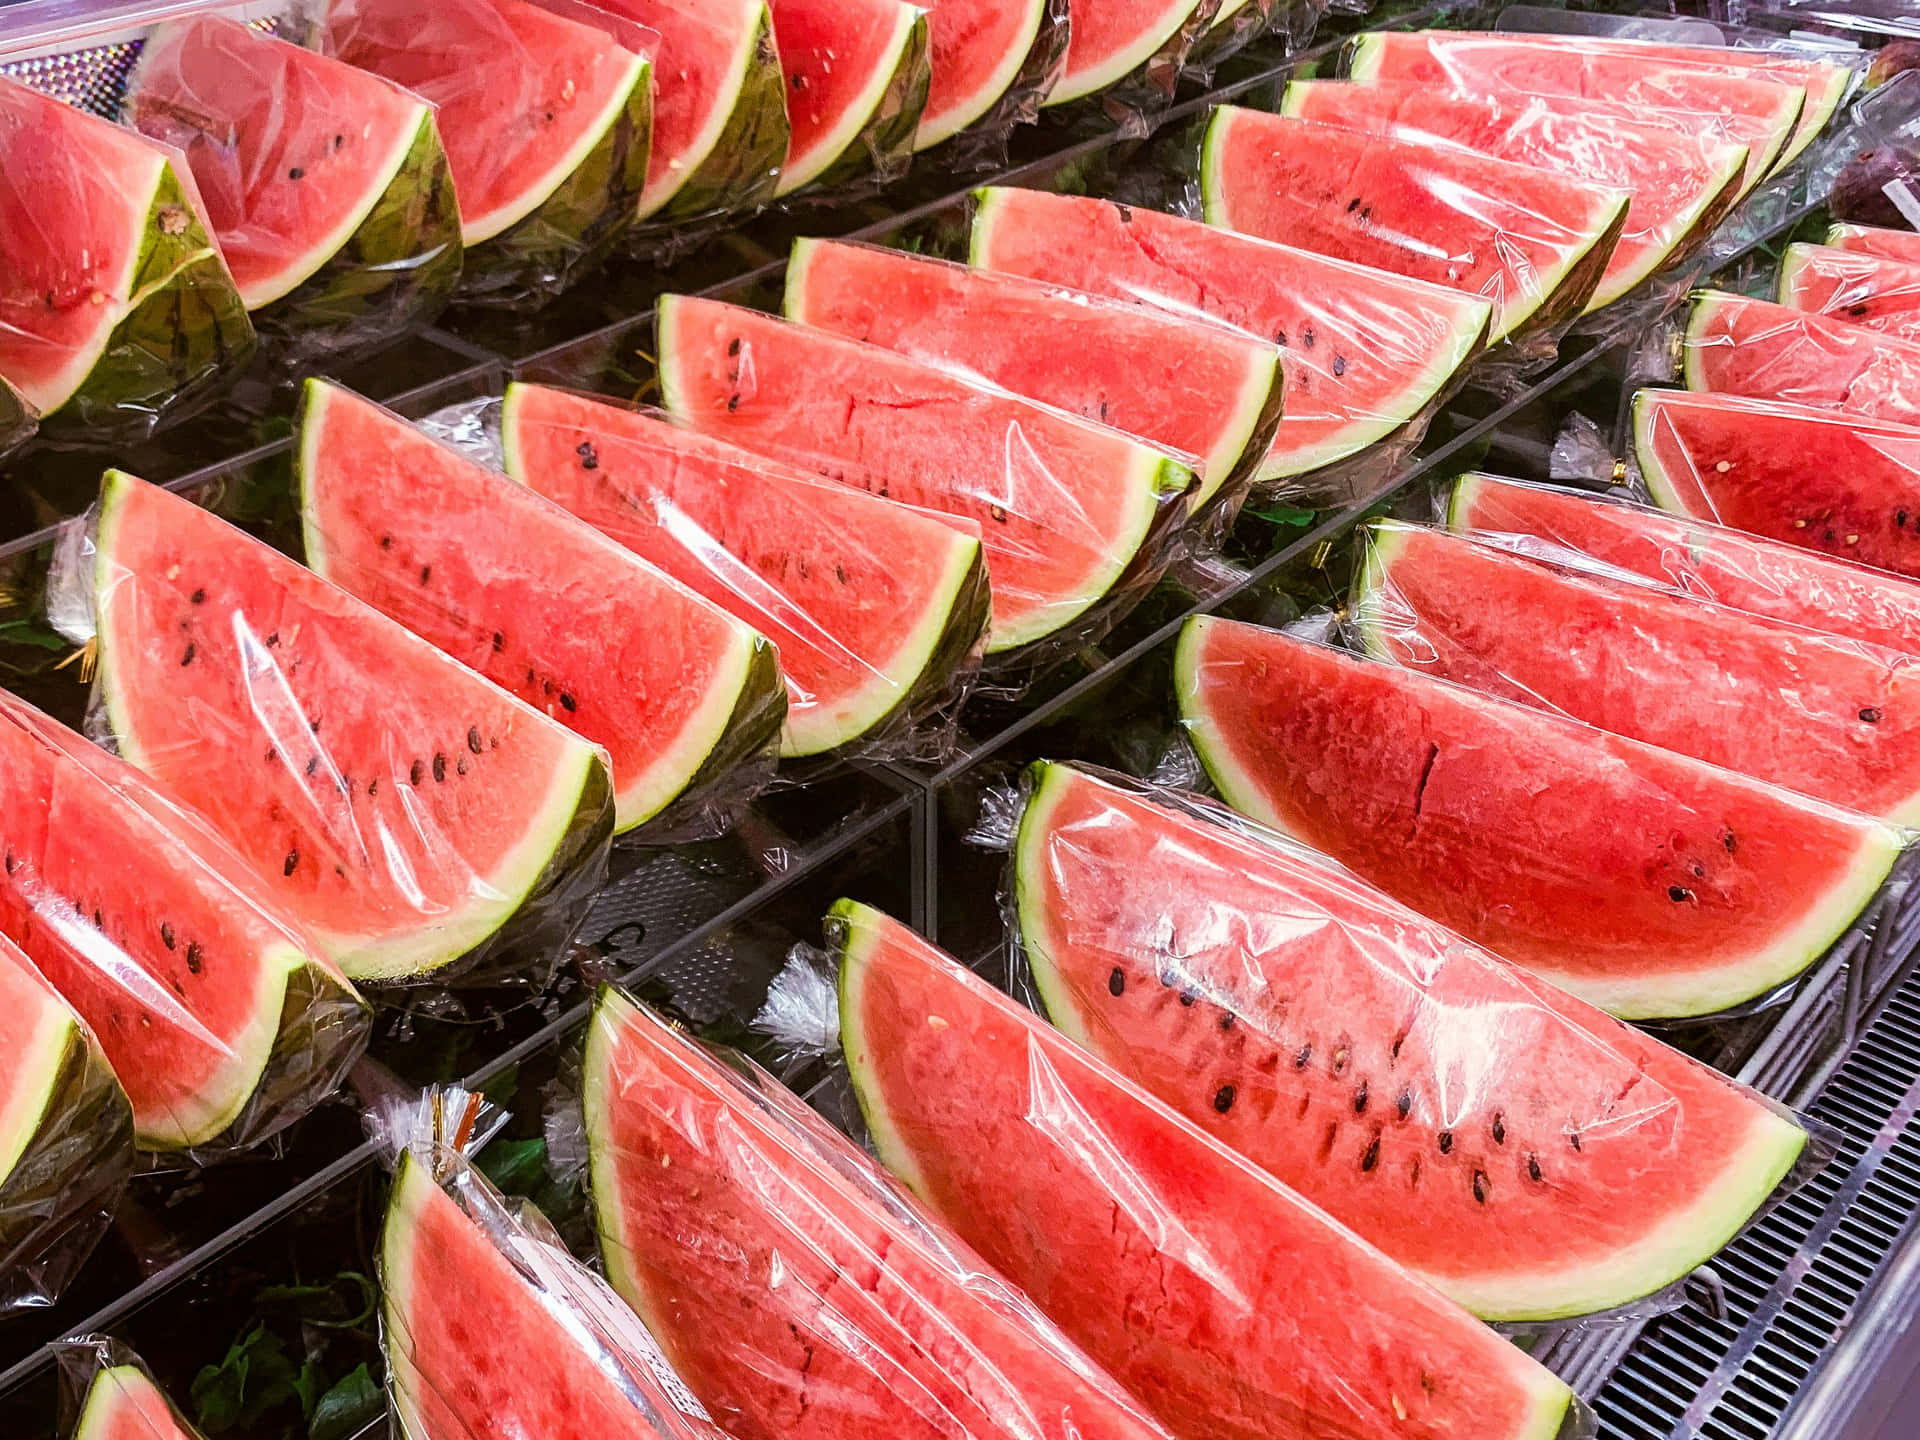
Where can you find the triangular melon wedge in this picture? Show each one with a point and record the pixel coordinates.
(1738, 346)
(123, 1403)
(977, 50)
(1110, 39)
(857, 83)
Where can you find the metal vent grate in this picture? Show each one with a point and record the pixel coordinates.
(1793, 1278)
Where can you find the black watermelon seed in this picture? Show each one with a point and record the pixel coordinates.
(1900, 517)
(373, 787)
(1117, 982)
(733, 348)
(386, 542)
(166, 934)
(313, 727)
(1280, 338)
(1480, 1186)
(187, 659)
(1226, 1022)
(419, 771)
(338, 141)
(313, 763)
(296, 173)
(1679, 894)
(499, 641)
(1300, 1060)
(199, 597)
(196, 957)
(1223, 1099)
(1360, 1099)
(1187, 997)
(998, 512)
(1393, 1055)
(1126, 214)
(1353, 204)
(1372, 1157)
(473, 739)
(461, 767)
(1871, 714)
(11, 862)
(273, 639)
(98, 922)
(293, 862)
(439, 767)
(733, 403)
(1446, 1142)
(1726, 839)
(1574, 1140)
(1533, 1169)
(1339, 366)
(568, 703)
(426, 573)
(1499, 1129)
(1306, 337)
(1404, 1104)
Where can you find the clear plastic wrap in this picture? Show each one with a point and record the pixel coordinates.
(1827, 715)
(1736, 345)
(65, 1160)
(327, 187)
(18, 420)
(686, 699)
(1817, 479)
(117, 314)
(857, 83)
(1488, 1073)
(1698, 557)
(982, 143)
(1127, 60)
(879, 610)
(794, 1286)
(226, 1022)
(1073, 516)
(1862, 289)
(1235, 25)
(541, 202)
(1367, 357)
(1221, 1298)
(1534, 242)
(107, 1393)
(490, 1325)
(1642, 881)
(420, 823)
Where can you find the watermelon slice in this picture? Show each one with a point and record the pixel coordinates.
(1826, 715)
(1365, 353)
(1812, 478)
(977, 50)
(857, 82)
(1759, 576)
(1682, 184)
(1873, 240)
(1533, 242)
(546, 120)
(1868, 290)
(1502, 1166)
(674, 689)
(18, 421)
(1692, 76)
(434, 807)
(1225, 1302)
(873, 606)
(720, 126)
(1066, 509)
(1110, 39)
(1645, 882)
(1736, 345)
(134, 316)
(1179, 382)
(735, 1222)
(123, 1403)
(38, 1035)
(327, 186)
(491, 1330)
(220, 1015)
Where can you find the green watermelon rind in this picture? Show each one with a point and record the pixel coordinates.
(1793, 262)
(881, 124)
(1174, 16)
(1701, 219)
(988, 92)
(1680, 1245)
(108, 1393)
(603, 1174)
(40, 1063)
(434, 946)
(738, 165)
(411, 1182)
(1816, 111)
(1682, 995)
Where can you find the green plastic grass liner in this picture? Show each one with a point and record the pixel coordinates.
(327, 187)
(1442, 1115)
(857, 79)
(489, 1324)
(546, 114)
(1650, 884)
(417, 821)
(879, 610)
(1822, 714)
(226, 1022)
(108, 1393)
(1089, 1193)
(66, 1138)
(795, 1287)
(117, 314)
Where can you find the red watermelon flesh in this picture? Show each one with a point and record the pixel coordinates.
(1225, 1302)
(1645, 882)
(796, 1291)
(1180, 382)
(1696, 77)
(856, 82)
(398, 805)
(1731, 567)
(481, 1346)
(1533, 242)
(1682, 184)
(1835, 483)
(1868, 290)
(1557, 1163)
(290, 149)
(1110, 39)
(1064, 507)
(523, 94)
(1736, 345)
(872, 605)
(1873, 240)
(123, 1403)
(977, 49)
(37, 1031)
(1364, 352)
(195, 980)
(1826, 715)
(581, 629)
